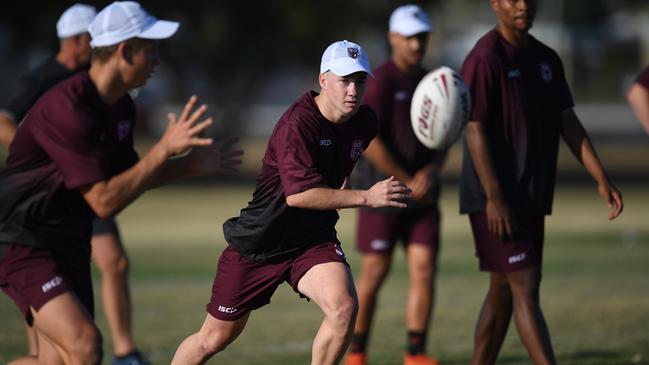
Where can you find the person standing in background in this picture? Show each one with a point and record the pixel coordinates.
(396, 151)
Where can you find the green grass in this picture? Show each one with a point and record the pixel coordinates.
(595, 292)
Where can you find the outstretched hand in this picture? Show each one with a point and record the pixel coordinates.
(388, 193)
(184, 132)
(222, 157)
(614, 198)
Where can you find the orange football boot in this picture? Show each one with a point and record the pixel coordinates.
(419, 359)
(356, 358)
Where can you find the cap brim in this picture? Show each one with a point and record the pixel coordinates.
(413, 30)
(161, 29)
(348, 69)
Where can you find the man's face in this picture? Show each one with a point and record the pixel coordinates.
(344, 92)
(141, 57)
(409, 50)
(83, 48)
(515, 14)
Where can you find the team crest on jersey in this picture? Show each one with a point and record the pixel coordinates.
(357, 149)
(352, 52)
(123, 129)
(546, 72)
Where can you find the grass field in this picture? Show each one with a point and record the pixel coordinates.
(595, 292)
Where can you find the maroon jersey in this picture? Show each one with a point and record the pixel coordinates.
(643, 78)
(68, 139)
(519, 94)
(389, 94)
(305, 151)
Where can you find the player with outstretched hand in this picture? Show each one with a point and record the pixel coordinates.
(522, 105)
(287, 232)
(72, 158)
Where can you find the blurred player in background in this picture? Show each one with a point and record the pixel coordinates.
(287, 232)
(638, 97)
(72, 158)
(397, 152)
(522, 105)
(108, 252)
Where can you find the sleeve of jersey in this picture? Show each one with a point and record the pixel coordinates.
(376, 96)
(297, 153)
(74, 147)
(564, 96)
(479, 76)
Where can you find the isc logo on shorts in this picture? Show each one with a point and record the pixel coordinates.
(517, 258)
(56, 281)
(227, 309)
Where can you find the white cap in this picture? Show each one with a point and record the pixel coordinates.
(75, 20)
(344, 58)
(409, 20)
(123, 20)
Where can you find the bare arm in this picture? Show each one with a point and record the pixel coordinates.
(638, 97)
(579, 143)
(388, 192)
(107, 198)
(7, 130)
(498, 215)
(420, 183)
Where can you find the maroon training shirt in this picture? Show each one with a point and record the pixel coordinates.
(305, 151)
(519, 94)
(68, 139)
(389, 94)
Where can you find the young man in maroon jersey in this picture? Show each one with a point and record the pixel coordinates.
(108, 251)
(287, 232)
(638, 97)
(72, 158)
(522, 105)
(396, 151)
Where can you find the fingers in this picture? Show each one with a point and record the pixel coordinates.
(197, 129)
(197, 114)
(188, 107)
(615, 202)
(172, 119)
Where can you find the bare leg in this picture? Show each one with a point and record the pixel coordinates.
(493, 321)
(528, 316)
(68, 331)
(110, 257)
(32, 341)
(374, 269)
(421, 292)
(213, 337)
(331, 286)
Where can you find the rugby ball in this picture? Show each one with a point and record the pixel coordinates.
(440, 108)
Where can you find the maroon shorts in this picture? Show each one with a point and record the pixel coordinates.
(32, 276)
(242, 285)
(524, 250)
(378, 231)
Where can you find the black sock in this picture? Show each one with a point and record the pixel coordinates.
(359, 343)
(416, 342)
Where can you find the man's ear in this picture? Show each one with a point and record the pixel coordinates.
(125, 52)
(322, 80)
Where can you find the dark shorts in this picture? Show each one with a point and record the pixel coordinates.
(105, 226)
(378, 232)
(242, 285)
(32, 276)
(524, 250)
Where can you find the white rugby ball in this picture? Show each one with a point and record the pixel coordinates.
(440, 108)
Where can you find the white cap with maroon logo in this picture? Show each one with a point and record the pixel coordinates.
(344, 58)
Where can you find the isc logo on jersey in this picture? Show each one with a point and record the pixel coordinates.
(440, 108)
